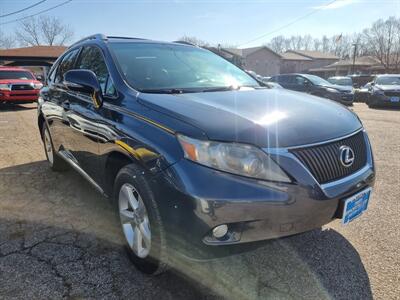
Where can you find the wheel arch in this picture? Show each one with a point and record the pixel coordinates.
(115, 161)
(41, 121)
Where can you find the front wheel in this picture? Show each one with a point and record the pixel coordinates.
(140, 221)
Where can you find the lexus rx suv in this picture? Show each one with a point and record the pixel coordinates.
(18, 85)
(195, 154)
(316, 86)
(384, 91)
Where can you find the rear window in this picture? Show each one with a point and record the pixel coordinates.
(388, 80)
(341, 81)
(15, 75)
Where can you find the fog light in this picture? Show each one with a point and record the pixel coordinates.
(220, 231)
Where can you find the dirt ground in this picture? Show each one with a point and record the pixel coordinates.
(60, 239)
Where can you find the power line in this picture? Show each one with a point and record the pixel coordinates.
(288, 24)
(21, 10)
(38, 13)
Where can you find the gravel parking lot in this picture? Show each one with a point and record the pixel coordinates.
(59, 237)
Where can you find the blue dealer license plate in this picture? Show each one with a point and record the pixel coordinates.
(394, 99)
(356, 205)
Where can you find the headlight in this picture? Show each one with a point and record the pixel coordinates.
(37, 86)
(5, 87)
(331, 90)
(234, 158)
(379, 92)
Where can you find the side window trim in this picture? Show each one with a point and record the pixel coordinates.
(109, 76)
(62, 60)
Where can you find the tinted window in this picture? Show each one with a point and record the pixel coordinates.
(316, 80)
(66, 64)
(150, 66)
(52, 74)
(341, 81)
(388, 80)
(284, 79)
(15, 75)
(92, 59)
(300, 80)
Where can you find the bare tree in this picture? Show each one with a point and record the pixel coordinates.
(6, 41)
(43, 31)
(277, 44)
(54, 31)
(317, 45)
(383, 39)
(307, 41)
(194, 40)
(29, 33)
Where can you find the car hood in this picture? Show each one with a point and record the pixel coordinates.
(266, 118)
(14, 81)
(388, 87)
(342, 88)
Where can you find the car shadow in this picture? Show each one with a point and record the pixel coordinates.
(16, 107)
(60, 238)
(386, 108)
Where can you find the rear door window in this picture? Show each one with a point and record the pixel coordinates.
(65, 65)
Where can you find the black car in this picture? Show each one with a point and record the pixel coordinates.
(317, 86)
(194, 153)
(384, 91)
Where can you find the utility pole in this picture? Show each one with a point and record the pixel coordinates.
(354, 57)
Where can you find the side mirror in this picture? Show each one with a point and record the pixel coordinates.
(84, 81)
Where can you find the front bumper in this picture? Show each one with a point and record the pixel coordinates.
(194, 199)
(383, 100)
(19, 96)
(344, 98)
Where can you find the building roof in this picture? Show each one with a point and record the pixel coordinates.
(247, 51)
(314, 54)
(35, 51)
(294, 56)
(367, 61)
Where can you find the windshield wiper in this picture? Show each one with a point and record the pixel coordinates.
(221, 89)
(231, 88)
(165, 91)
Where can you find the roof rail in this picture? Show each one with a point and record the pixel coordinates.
(185, 43)
(98, 36)
(125, 37)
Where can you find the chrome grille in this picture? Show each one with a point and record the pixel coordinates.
(392, 93)
(21, 87)
(323, 160)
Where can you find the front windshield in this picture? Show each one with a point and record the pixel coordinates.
(388, 80)
(15, 75)
(152, 67)
(341, 81)
(317, 80)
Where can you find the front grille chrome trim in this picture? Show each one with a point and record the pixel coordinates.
(323, 161)
(321, 143)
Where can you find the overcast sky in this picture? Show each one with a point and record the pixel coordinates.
(229, 22)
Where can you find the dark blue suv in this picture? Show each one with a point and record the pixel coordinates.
(196, 154)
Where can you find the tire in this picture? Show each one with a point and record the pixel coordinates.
(56, 162)
(148, 257)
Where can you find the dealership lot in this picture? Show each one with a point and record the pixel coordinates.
(59, 237)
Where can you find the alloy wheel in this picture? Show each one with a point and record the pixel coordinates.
(134, 220)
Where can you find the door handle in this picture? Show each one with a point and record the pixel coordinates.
(66, 105)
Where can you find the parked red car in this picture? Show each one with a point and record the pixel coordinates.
(18, 85)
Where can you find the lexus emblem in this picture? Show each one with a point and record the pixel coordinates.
(346, 156)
